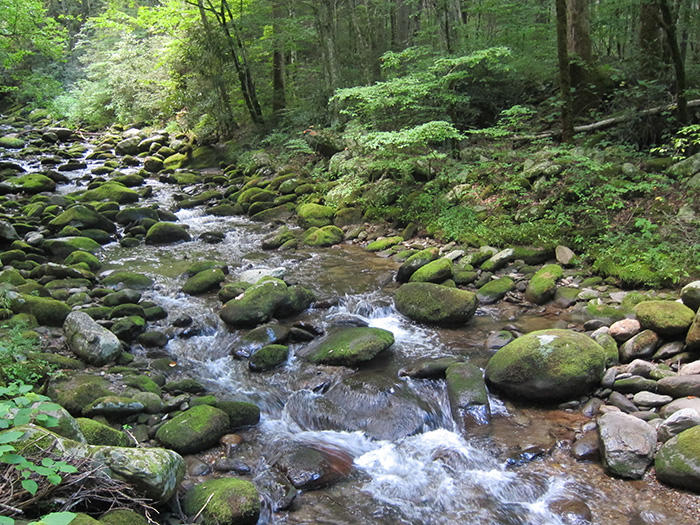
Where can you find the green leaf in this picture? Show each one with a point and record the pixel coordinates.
(9, 437)
(12, 459)
(4, 520)
(48, 462)
(54, 479)
(30, 486)
(6, 448)
(65, 467)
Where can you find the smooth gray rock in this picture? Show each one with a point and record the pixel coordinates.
(678, 422)
(641, 345)
(650, 399)
(90, 341)
(679, 386)
(690, 295)
(627, 444)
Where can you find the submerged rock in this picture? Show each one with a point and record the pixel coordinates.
(469, 400)
(350, 346)
(313, 466)
(547, 365)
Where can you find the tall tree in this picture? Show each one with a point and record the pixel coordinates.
(279, 96)
(668, 23)
(567, 116)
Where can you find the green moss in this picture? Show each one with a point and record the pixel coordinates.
(309, 215)
(224, 501)
(543, 284)
(204, 281)
(435, 271)
(383, 244)
(204, 400)
(79, 256)
(414, 262)
(143, 383)
(349, 346)
(111, 191)
(196, 429)
(323, 237)
(665, 317)
(46, 311)
(495, 290)
(122, 517)
(268, 357)
(166, 233)
(97, 433)
(434, 304)
(137, 281)
(240, 413)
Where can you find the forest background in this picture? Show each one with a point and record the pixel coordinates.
(537, 122)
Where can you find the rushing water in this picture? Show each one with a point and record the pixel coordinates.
(409, 464)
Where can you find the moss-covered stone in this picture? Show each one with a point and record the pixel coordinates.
(268, 357)
(350, 345)
(81, 257)
(134, 280)
(414, 262)
(189, 386)
(64, 246)
(466, 391)
(11, 142)
(113, 406)
(97, 433)
(166, 233)
(434, 304)
(204, 281)
(309, 215)
(82, 217)
(76, 393)
(47, 311)
(195, 430)
(494, 291)
(143, 383)
(543, 284)
(224, 501)
(323, 237)
(256, 305)
(240, 413)
(31, 183)
(204, 400)
(129, 328)
(664, 317)
(548, 365)
(678, 461)
(111, 192)
(384, 244)
(435, 271)
(123, 517)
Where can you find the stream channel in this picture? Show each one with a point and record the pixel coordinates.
(409, 464)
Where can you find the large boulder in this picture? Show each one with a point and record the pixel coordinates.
(90, 341)
(415, 261)
(224, 501)
(195, 430)
(548, 365)
(81, 217)
(435, 304)
(166, 233)
(664, 317)
(204, 281)
(111, 191)
(350, 345)
(47, 311)
(627, 444)
(309, 215)
(323, 237)
(678, 460)
(495, 290)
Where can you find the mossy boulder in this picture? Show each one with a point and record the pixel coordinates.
(384, 244)
(259, 303)
(240, 413)
(126, 279)
(664, 317)
(31, 183)
(166, 233)
(224, 501)
(113, 406)
(77, 392)
(277, 238)
(143, 383)
(543, 284)
(323, 237)
(175, 161)
(678, 461)
(111, 192)
(690, 295)
(548, 365)
(435, 304)
(204, 281)
(435, 271)
(494, 291)
(257, 338)
(64, 246)
(466, 391)
(350, 345)
(97, 433)
(82, 217)
(414, 262)
(84, 258)
(47, 311)
(11, 142)
(129, 328)
(309, 215)
(122, 517)
(195, 430)
(133, 215)
(268, 357)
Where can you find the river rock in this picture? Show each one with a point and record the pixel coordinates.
(349, 345)
(89, 340)
(678, 460)
(97, 433)
(690, 295)
(166, 233)
(268, 357)
(429, 368)
(498, 260)
(435, 304)
(323, 237)
(586, 447)
(620, 401)
(255, 275)
(564, 255)
(678, 422)
(650, 399)
(111, 191)
(495, 290)
(634, 384)
(624, 329)
(679, 386)
(415, 261)
(267, 334)
(547, 365)
(82, 217)
(64, 246)
(436, 271)
(195, 430)
(47, 311)
(204, 281)
(627, 444)
(240, 413)
(642, 345)
(224, 500)
(31, 183)
(664, 317)
(692, 338)
(309, 215)
(466, 392)
(543, 284)
(313, 466)
(679, 404)
(64, 423)
(113, 406)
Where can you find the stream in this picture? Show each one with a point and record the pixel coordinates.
(410, 465)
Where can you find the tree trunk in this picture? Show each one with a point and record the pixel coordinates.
(649, 40)
(325, 17)
(279, 96)
(668, 23)
(567, 116)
